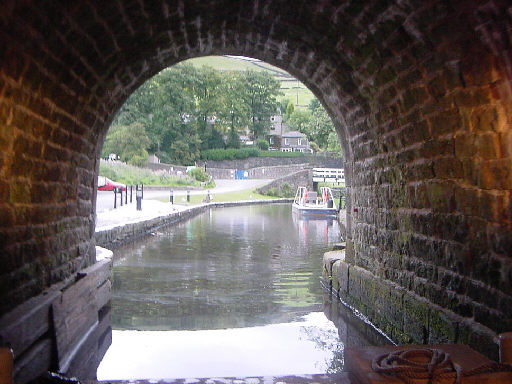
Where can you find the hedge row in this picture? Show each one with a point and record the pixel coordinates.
(243, 153)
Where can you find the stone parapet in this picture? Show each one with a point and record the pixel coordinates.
(403, 315)
(301, 178)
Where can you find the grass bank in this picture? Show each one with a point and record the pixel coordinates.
(130, 175)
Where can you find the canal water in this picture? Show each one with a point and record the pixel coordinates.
(231, 292)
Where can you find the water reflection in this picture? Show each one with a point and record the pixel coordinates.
(232, 292)
(232, 267)
(275, 349)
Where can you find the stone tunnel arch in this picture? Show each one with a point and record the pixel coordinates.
(420, 94)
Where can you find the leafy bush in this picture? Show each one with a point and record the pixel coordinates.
(244, 153)
(279, 154)
(262, 144)
(199, 174)
(229, 154)
(284, 190)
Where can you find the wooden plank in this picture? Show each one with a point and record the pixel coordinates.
(101, 271)
(75, 315)
(84, 362)
(34, 363)
(88, 357)
(105, 320)
(104, 295)
(25, 324)
(104, 343)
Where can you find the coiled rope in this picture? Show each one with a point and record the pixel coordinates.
(428, 365)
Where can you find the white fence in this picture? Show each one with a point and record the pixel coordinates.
(329, 175)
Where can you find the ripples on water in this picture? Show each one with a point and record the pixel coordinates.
(232, 292)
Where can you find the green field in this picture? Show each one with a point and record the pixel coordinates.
(290, 86)
(225, 63)
(304, 94)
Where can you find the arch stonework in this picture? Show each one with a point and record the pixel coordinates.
(419, 91)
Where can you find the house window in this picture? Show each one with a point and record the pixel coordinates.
(300, 142)
(286, 141)
(271, 140)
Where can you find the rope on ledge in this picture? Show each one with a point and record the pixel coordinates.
(428, 365)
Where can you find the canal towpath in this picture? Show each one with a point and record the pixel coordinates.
(153, 208)
(104, 199)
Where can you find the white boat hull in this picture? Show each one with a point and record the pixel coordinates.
(312, 210)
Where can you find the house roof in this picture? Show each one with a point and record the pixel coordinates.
(293, 134)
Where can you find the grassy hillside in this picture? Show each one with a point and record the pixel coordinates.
(290, 86)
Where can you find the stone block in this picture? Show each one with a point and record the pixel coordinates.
(471, 169)
(492, 319)
(343, 277)
(441, 196)
(445, 122)
(495, 174)
(466, 200)
(393, 307)
(442, 326)
(479, 338)
(484, 120)
(415, 317)
(487, 145)
(465, 145)
(448, 168)
(329, 259)
(505, 141)
(501, 239)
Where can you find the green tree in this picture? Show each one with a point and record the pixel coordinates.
(290, 108)
(234, 112)
(314, 104)
(185, 109)
(164, 105)
(130, 142)
(333, 143)
(321, 126)
(283, 103)
(208, 92)
(233, 139)
(186, 149)
(261, 91)
(300, 120)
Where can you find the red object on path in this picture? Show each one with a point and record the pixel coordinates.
(105, 184)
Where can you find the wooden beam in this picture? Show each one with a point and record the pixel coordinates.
(75, 316)
(24, 325)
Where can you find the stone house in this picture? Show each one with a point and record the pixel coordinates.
(275, 132)
(294, 141)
